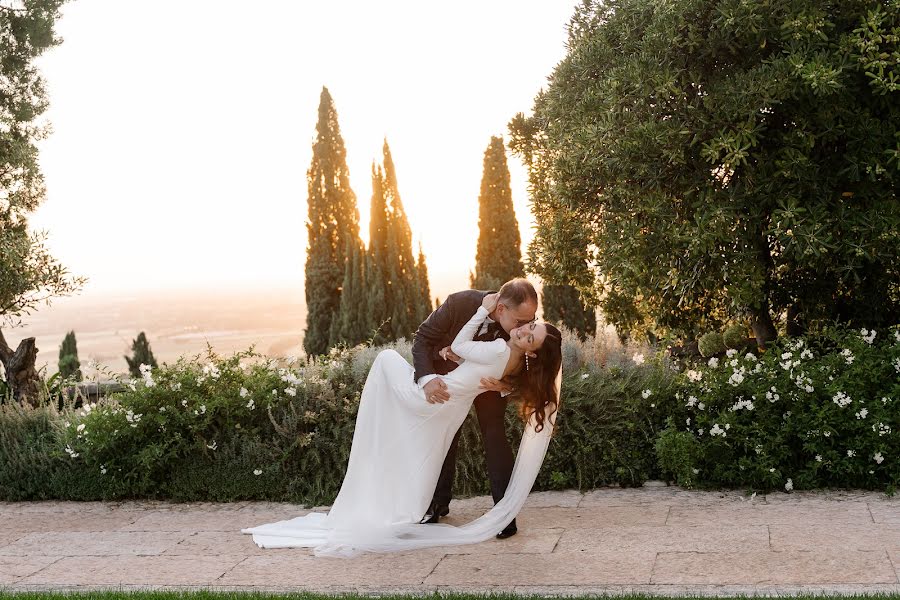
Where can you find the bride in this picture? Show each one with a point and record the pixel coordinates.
(400, 442)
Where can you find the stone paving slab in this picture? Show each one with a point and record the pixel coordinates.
(656, 539)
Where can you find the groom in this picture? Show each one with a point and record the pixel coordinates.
(516, 305)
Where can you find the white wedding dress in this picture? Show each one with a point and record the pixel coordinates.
(399, 446)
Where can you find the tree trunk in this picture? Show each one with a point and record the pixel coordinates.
(21, 374)
(762, 325)
(794, 325)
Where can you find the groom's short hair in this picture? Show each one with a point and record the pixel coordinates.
(516, 291)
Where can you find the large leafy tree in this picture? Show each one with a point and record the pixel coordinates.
(332, 226)
(699, 161)
(498, 257)
(29, 275)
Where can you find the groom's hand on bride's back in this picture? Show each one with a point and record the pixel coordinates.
(436, 391)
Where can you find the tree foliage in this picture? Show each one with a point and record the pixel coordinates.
(697, 161)
(69, 365)
(563, 306)
(332, 227)
(28, 273)
(141, 354)
(498, 257)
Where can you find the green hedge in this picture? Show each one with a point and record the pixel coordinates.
(247, 427)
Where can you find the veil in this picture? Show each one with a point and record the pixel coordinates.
(410, 536)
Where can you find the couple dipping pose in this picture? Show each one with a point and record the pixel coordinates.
(477, 347)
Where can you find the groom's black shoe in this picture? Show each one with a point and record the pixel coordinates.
(508, 531)
(435, 512)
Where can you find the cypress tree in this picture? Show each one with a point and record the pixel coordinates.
(333, 217)
(377, 283)
(424, 302)
(562, 305)
(351, 326)
(69, 365)
(401, 266)
(141, 355)
(499, 255)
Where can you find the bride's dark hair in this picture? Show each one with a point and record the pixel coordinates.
(536, 385)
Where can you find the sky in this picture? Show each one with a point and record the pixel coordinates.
(182, 131)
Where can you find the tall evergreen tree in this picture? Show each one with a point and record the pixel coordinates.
(562, 305)
(333, 218)
(499, 255)
(424, 303)
(351, 326)
(69, 366)
(141, 355)
(378, 285)
(401, 266)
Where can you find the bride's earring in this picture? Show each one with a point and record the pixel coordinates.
(526, 362)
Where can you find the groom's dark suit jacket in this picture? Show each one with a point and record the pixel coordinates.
(440, 329)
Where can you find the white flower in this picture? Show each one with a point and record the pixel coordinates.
(274, 392)
(848, 356)
(878, 457)
(638, 359)
(700, 431)
(244, 392)
(257, 471)
(213, 446)
(730, 352)
(727, 425)
(691, 401)
(688, 420)
(881, 428)
(701, 406)
(251, 404)
(176, 386)
(862, 413)
(841, 399)
(646, 394)
(584, 376)
(80, 427)
(826, 433)
(818, 457)
(868, 336)
(716, 430)
(71, 452)
(695, 471)
(184, 402)
(851, 453)
(751, 357)
(786, 356)
(290, 391)
(694, 375)
(713, 362)
(736, 378)
(897, 364)
(211, 370)
(806, 353)
(103, 469)
(771, 469)
(162, 409)
(789, 485)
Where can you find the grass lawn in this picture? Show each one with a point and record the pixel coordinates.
(225, 595)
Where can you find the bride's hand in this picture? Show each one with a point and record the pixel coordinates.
(490, 302)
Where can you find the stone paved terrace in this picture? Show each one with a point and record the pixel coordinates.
(655, 539)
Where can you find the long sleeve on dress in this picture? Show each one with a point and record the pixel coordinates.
(480, 352)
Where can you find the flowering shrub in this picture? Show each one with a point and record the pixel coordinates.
(809, 412)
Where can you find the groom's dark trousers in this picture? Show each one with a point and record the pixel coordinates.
(436, 332)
